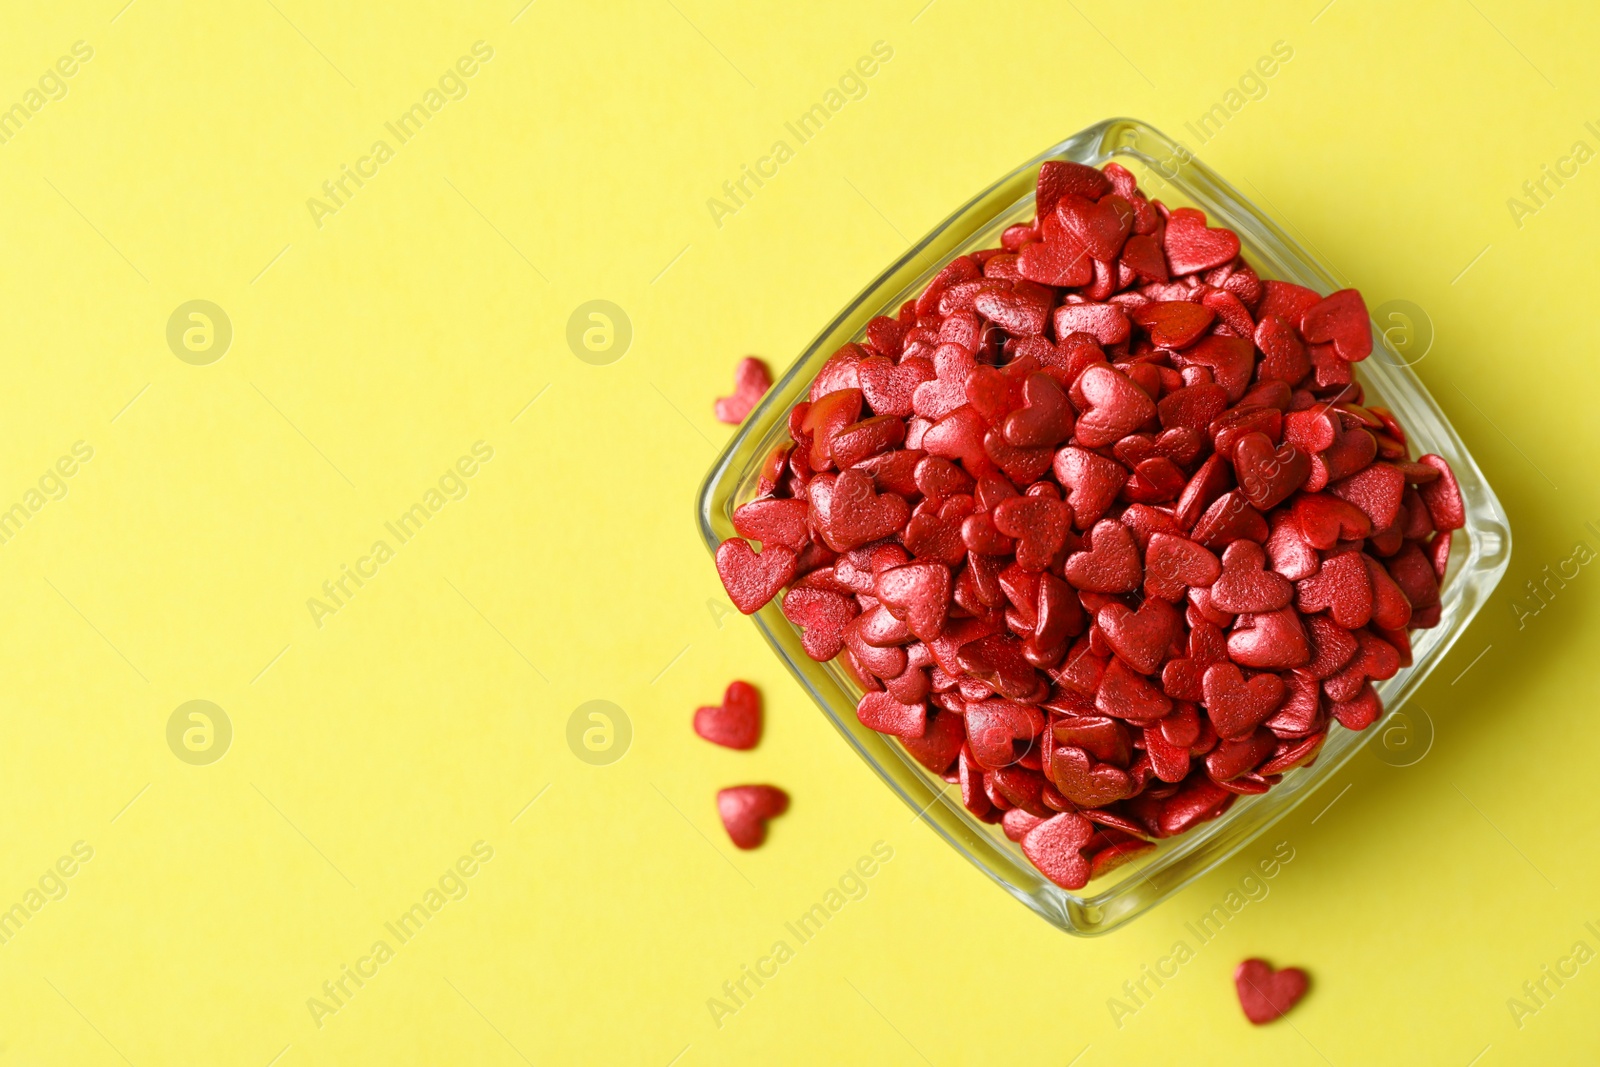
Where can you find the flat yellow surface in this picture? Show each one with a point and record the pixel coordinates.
(400, 339)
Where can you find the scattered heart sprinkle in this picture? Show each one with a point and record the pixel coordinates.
(1266, 994)
(751, 380)
(736, 722)
(745, 810)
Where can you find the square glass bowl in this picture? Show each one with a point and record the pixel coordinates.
(1167, 170)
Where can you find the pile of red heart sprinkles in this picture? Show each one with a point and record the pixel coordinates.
(1102, 525)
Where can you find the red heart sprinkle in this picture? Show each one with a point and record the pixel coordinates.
(1230, 360)
(1354, 449)
(1291, 555)
(1060, 263)
(1143, 256)
(773, 522)
(882, 661)
(959, 436)
(1056, 845)
(751, 380)
(995, 726)
(1272, 640)
(1018, 822)
(1230, 310)
(1199, 799)
(938, 478)
(1332, 645)
(1014, 312)
(1300, 715)
(736, 722)
(1086, 783)
(1341, 318)
(827, 416)
(1266, 994)
(1109, 564)
(998, 661)
(1141, 638)
(1283, 355)
(882, 712)
(1060, 176)
(919, 593)
(1116, 407)
(889, 387)
(1391, 608)
(1235, 757)
(753, 578)
(941, 740)
(1191, 246)
(821, 616)
(1342, 587)
(1268, 475)
(939, 396)
(1360, 711)
(1173, 323)
(935, 537)
(1125, 693)
(858, 513)
(1443, 496)
(1106, 323)
(745, 810)
(1285, 300)
(1021, 465)
(1169, 761)
(1414, 574)
(1230, 518)
(1236, 707)
(1093, 482)
(1326, 520)
(1245, 584)
(1040, 525)
(1375, 658)
(1101, 227)
(1193, 407)
(1045, 417)
(1106, 739)
(1209, 481)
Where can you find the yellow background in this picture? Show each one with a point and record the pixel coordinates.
(425, 315)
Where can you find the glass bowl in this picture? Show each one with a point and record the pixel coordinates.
(1167, 170)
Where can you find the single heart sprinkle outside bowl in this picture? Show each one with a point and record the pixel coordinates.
(751, 380)
(736, 722)
(1102, 526)
(745, 809)
(1266, 994)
